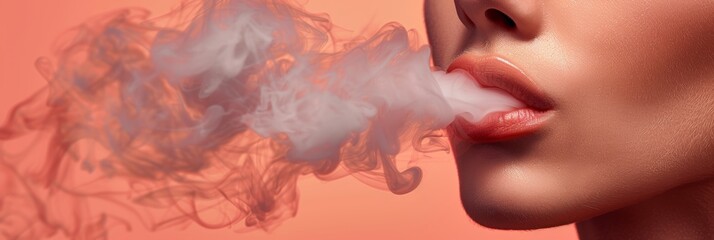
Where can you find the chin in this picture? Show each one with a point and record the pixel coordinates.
(504, 193)
(511, 216)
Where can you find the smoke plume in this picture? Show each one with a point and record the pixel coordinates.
(211, 113)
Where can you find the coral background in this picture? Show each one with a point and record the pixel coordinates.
(342, 209)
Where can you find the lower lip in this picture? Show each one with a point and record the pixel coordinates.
(502, 126)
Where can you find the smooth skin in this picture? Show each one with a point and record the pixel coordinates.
(629, 152)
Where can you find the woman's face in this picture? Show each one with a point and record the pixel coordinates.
(632, 85)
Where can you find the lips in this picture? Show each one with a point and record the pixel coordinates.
(498, 73)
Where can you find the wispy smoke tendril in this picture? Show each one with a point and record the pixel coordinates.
(209, 115)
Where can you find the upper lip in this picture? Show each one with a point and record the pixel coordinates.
(497, 72)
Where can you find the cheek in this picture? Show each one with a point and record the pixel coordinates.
(644, 48)
(639, 63)
(650, 66)
(638, 117)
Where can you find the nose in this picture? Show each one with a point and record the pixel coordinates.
(522, 18)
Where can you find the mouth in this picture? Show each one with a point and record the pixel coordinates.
(496, 72)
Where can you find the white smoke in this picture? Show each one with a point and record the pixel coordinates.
(223, 113)
(319, 106)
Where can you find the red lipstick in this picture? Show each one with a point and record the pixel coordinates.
(496, 72)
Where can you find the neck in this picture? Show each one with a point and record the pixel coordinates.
(686, 212)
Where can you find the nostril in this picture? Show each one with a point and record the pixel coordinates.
(501, 19)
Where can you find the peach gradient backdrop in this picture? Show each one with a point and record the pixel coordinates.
(343, 209)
